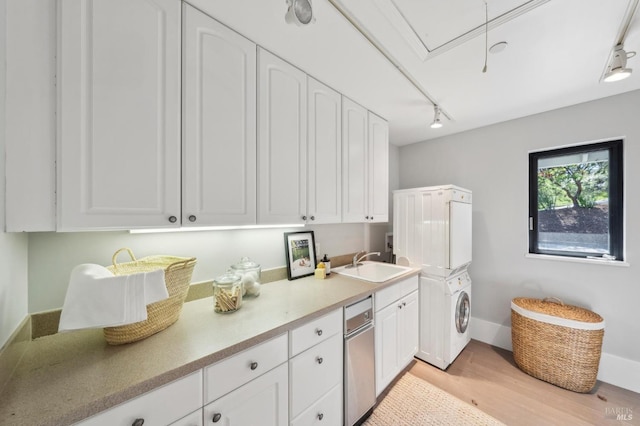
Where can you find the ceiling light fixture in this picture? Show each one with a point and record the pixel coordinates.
(299, 12)
(617, 69)
(436, 118)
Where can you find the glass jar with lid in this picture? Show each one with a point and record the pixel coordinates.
(249, 272)
(227, 292)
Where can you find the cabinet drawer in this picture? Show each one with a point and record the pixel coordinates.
(158, 407)
(193, 419)
(233, 372)
(261, 402)
(316, 331)
(327, 411)
(386, 296)
(314, 372)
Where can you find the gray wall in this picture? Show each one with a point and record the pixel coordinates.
(492, 162)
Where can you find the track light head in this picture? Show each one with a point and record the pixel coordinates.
(299, 12)
(617, 69)
(436, 124)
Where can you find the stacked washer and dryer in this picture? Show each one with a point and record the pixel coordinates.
(432, 231)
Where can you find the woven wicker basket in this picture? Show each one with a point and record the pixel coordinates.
(160, 315)
(560, 344)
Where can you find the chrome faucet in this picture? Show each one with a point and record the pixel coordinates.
(356, 259)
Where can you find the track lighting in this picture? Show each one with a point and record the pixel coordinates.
(299, 12)
(617, 69)
(436, 118)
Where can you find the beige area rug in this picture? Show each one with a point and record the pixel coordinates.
(414, 402)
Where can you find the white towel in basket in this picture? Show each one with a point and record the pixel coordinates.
(96, 298)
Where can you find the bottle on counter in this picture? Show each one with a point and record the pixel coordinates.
(327, 264)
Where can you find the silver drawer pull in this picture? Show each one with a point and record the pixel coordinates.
(216, 417)
(320, 416)
(319, 360)
(319, 331)
(254, 365)
(137, 422)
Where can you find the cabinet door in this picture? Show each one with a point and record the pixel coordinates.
(119, 114)
(378, 169)
(193, 419)
(219, 124)
(354, 160)
(408, 329)
(261, 402)
(282, 141)
(386, 346)
(406, 228)
(325, 154)
(314, 372)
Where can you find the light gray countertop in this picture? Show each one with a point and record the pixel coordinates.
(66, 377)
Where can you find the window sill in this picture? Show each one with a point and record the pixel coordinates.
(577, 260)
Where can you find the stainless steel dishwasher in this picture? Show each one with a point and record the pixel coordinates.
(359, 360)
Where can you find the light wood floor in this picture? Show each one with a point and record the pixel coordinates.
(487, 377)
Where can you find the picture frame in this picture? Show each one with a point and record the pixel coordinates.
(300, 249)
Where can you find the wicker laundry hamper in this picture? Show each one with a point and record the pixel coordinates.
(560, 344)
(160, 315)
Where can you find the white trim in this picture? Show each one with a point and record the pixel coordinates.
(589, 260)
(572, 144)
(613, 369)
(491, 333)
(562, 322)
(619, 371)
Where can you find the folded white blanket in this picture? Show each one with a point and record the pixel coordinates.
(96, 298)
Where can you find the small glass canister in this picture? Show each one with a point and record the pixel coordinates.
(227, 293)
(250, 273)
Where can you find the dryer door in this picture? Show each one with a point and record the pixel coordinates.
(463, 311)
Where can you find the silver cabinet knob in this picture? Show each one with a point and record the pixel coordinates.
(304, 217)
(404, 303)
(320, 416)
(173, 219)
(319, 331)
(216, 417)
(367, 217)
(192, 218)
(137, 422)
(319, 360)
(254, 365)
(313, 218)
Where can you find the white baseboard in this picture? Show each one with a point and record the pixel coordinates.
(613, 369)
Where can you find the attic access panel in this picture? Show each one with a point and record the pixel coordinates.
(431, 27)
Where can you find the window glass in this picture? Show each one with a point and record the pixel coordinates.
(576, 201)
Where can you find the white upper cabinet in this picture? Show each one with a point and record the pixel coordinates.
(365, 161)
(219, 124)
(118, 159)
(378, 170)
(354, 160)
(282, 141)
(325, 154)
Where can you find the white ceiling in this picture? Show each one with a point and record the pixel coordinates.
(556, 54)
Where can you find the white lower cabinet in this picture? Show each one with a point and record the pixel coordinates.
(161, 406)
(315, 372)
(396, 332)
(193, 419)
(261, 402)
(325, 411)
(249, 388)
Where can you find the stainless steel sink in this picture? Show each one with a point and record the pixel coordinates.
(375, 272)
